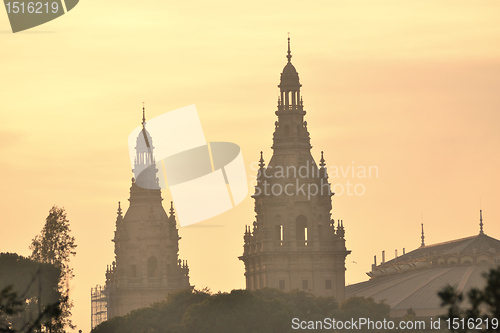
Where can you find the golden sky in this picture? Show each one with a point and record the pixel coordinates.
(410, 87)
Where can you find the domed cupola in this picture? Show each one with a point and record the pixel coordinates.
(144, 142)
(145, 164)
(289, 77)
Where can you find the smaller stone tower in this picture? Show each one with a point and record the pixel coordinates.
(147, 266)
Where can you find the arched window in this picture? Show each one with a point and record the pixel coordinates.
(133, 271)
(152, 267)
(301, 228)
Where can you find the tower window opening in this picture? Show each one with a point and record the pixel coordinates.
(133, 271)
(152, 267)
(305, 284)
(328, 284)
(282, 284)
(301, 229)
(279, 230)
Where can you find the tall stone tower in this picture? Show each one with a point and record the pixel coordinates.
(293, 243)
(147, 267)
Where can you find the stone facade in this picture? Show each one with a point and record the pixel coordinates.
(293, 243)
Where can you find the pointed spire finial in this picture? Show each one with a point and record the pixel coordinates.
(172, 212)
(481, 232)
(322, 161)
(119, 210)
(261, 161)
(143, 115)
(423, 237)
(289, 55)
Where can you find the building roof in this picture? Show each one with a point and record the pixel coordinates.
(418, 289)
(414, 279)
(470, 245)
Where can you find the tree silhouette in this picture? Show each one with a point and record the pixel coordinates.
(243, 311)
(484, 309)
(29, 295)
(55, 246)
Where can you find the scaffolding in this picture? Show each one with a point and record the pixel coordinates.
(99, 305)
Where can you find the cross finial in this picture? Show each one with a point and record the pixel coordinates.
(289, 55)
(143, 115)
(481, 232)
(423, 237)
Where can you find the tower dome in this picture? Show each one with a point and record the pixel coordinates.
(289, 76)
(145, 164)
(144, 142)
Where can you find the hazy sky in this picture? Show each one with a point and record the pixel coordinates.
(411, 87)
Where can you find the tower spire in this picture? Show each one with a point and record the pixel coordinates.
(423, 237)
(481, 232)
(289, 55)
(291, 132)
